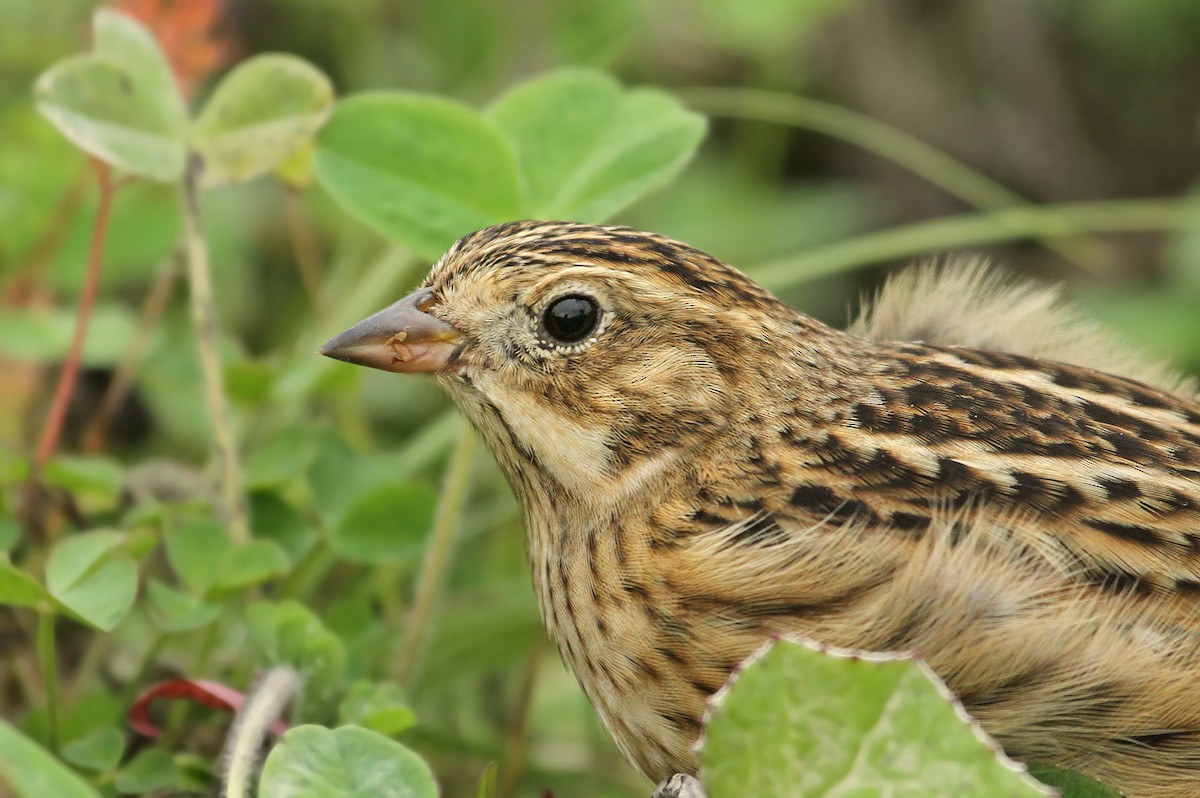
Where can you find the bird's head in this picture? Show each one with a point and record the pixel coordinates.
(580, 353)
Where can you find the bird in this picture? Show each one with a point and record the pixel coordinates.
(971, 470)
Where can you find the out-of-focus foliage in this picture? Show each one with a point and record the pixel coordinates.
(1057, 100)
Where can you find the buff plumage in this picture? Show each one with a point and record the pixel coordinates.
(963, 473)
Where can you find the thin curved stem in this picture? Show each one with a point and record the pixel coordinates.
(57, 414)
(885, 141)
(437, 552)
(974, 230)
(204, 320)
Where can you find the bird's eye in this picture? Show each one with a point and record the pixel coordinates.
(571, 318)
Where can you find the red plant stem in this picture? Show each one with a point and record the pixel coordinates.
(52, 429)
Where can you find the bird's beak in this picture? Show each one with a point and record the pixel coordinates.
(402, 337)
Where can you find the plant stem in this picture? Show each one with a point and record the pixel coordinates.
(48, 659)
(204, 319)
(52, 428)
(96, 435)
(974, 230)
(437, 553)
(516, 747)
(893, 144)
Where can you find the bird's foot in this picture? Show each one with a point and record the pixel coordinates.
(680, 785)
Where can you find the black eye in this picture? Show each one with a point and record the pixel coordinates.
(570, 318)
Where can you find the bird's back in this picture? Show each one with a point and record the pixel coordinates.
(1031, 526)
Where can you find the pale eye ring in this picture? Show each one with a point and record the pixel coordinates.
(571, 318)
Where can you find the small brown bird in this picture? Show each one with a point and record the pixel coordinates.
(702, 467)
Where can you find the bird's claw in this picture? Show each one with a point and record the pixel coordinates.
(680, 785)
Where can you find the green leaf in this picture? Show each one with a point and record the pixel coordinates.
(101, 477)
(196, 549)
(261, 113)
(276, 520)
(279, 458)
(586, 147)
(19, 589)
(10, 533)
(340, 476)
(91, 576)
(378, 706)
(173, 611)
(248, 382)
(119, 103)
(97, 708)
(123, 40)
(45, 335)
(349, 762)
(801, 722)
(204, 558)
(152, 769)
(31, 772)
(290, 634)
(252, 564)
(387, 524)
(99, 750)
(1070, 784)
(422, 170)
(489, 782)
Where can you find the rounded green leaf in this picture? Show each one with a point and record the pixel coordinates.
(252, 564)
(280, 458)
(19, 589)
(587, 147)
(422, 170)
(289, 633)
(196, 549)
(173, 611)
(99, 478)
(274, 519)
(348, 762)
(31, 772)
(261, 113)
(378, 706)
(99, 749)
(91, 576)
(799, 721)
(120, 103)
(387, 524)
(124, 40)
(45, 335)
(151, 770)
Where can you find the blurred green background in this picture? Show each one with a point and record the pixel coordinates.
(1057, 100)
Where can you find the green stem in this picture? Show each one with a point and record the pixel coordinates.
(48, 658)
(974, 230)
(885, 141)
(204, 320)
(437, 554)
